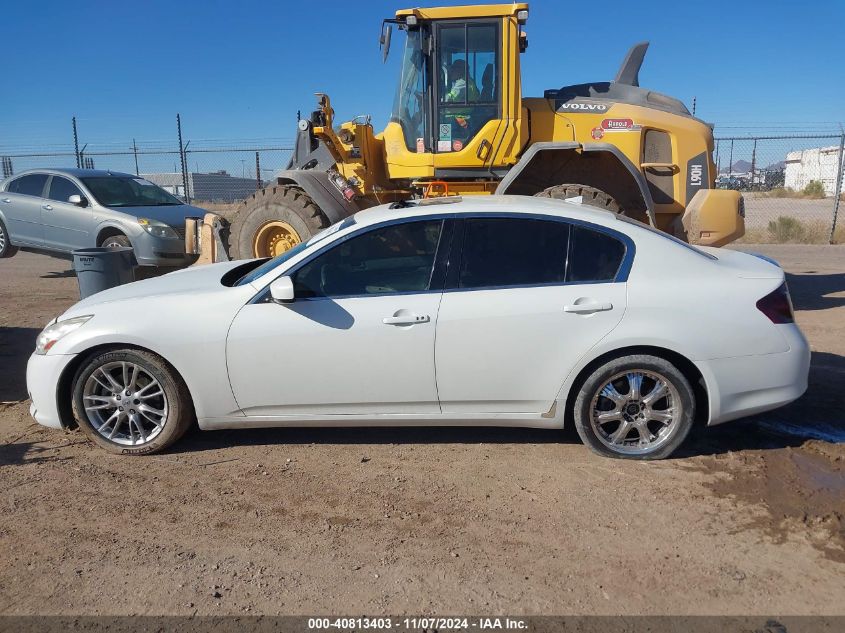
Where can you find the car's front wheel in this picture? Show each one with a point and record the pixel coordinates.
(116, 241)
(131, 402)
(6, 248)
(635, 407)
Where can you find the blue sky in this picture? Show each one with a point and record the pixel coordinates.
(240, 70)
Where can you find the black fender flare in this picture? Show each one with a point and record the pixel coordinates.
(316, 184)
(542, 146)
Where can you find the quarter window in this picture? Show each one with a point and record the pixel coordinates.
(30, 185)
(61, 189)
(397, 258)
(593, 256)
(512, 251)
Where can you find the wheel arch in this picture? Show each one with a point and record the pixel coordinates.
(600, 165)
(679, 360)
(109, 230)
(64, 386)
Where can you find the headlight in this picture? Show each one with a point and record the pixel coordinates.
(52, 334)
(158, 229)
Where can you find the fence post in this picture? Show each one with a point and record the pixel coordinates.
(76, 144)
(135, 151)
(837, 189)
(257, 171)
(182, 159)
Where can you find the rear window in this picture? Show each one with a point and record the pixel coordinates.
(593, 256)
(513, 252)
(31, 185)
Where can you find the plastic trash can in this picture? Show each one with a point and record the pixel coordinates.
(103, 268)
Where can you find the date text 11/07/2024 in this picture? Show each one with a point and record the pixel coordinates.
(418, 623)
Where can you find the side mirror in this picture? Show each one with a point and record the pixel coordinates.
(281, 290)
(384, 41)
(79, 201)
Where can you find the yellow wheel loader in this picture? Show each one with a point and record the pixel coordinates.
(460, 125)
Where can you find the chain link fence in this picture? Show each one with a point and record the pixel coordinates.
(792, 185)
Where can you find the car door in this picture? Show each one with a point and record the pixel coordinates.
(66, 226)
(527, 298)
(359, 337)
(21, 204)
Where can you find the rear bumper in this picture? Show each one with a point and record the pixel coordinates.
(42, 380)
(745, 385)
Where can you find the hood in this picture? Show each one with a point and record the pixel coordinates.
(745, 265)
(193, 280)
(171, 215)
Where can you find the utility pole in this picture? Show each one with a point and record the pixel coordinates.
(837, 189)
(182, 159)
(76, 144)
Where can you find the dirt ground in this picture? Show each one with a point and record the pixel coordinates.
(747, 520)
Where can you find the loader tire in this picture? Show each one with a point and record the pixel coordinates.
(272, 221)
(590, 195)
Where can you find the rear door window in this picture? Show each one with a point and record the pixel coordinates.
(513, 252)
(593, 256)
(29, 185)
(61, 189)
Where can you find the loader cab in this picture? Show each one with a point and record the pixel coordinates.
(458, 99)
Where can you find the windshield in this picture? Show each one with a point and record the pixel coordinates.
(118, 191)
(270, 264)
(408, 107)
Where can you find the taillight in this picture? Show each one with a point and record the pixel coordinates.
(777, 305)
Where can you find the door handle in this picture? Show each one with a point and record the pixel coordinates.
(406, 319)
(7, 200)
(46, 207)
(588, 307)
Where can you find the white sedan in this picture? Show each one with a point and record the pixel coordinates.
(499, 311)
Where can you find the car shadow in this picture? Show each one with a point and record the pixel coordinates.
(197, 440)
(16, 344)
(812, 292)
(31, 453)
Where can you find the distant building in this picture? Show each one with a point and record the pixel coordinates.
(820, 163)
(219, 186)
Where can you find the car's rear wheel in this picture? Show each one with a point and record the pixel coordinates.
(635, 407)
(116, 241)
(131, 402)
(6, 248)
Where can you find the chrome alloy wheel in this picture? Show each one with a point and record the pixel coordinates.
(636, 412)
(2, 239)
(125, 403)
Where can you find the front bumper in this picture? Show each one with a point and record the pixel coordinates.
(42, 381)
(745, 385)
(156, 251)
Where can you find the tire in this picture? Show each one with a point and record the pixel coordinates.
(6, 248)
(606, 438)
(282, 203)
(591, 196)
(116, 241)
(174, 409)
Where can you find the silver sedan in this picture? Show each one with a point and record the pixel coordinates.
(60, 210)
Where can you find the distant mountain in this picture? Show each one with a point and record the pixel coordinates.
(776, 166)
(739, 167)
